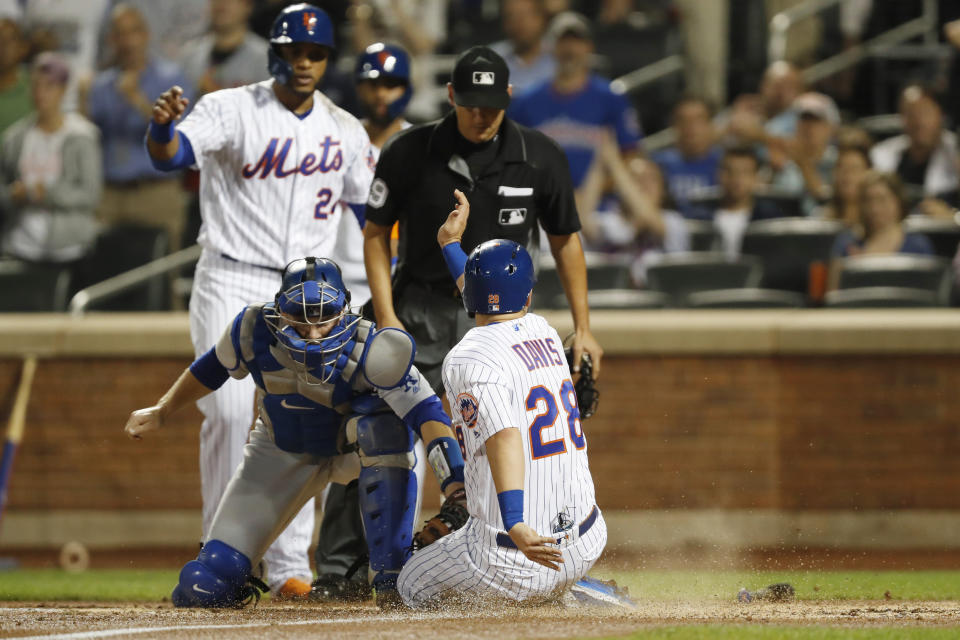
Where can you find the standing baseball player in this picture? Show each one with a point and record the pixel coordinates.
(534, 527)
(322, 376)
(382, 76)
(280, 165)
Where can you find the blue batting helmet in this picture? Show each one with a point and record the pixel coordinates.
(382, 60)
(297, 23)
(497, 278)
(313, 300)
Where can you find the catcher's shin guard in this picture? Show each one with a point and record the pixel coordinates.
(388, 489)
(219, 577)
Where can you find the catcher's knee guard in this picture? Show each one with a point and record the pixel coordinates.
(388, 488)
(219, 577)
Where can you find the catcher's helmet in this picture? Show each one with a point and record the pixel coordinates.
(381, 60)
(498, 278)
(313, 293)
(297, 23)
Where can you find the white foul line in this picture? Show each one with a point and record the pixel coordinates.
(107, 633)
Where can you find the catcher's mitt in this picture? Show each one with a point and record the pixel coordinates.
(453, 515)
(586, 387)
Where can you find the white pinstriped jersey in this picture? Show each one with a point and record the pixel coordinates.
(514, 374)
(273, 185)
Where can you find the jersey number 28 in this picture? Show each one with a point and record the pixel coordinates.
(542, 399)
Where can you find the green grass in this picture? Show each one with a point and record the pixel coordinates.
(688, 585)
(809, 585)
(743, 632)
(123, 585)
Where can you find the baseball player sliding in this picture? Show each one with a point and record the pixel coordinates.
(280, 167)
(534, 528)
(322, 376)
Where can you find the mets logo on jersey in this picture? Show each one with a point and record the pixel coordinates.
(273, 160)
(467, 406)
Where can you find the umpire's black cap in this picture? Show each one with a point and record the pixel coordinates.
(480, 79)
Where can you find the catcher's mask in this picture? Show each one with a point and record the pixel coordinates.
(311, 320)
(588, 397)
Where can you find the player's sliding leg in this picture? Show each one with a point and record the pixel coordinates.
(265, 493)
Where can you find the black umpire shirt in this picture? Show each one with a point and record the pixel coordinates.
(519, 178)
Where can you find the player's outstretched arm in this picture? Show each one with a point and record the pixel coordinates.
(505, 453)
(450, 234)
(186, 389)
(568, 253)
(376, 259)
(162, 143)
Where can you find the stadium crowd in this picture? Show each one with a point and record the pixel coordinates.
(750, 140)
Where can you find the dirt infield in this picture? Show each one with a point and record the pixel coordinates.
(269, 620)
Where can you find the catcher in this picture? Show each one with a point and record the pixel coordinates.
(337, 400)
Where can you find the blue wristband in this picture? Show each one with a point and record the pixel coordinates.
(511, 507)
(456, 259)
(162, 133)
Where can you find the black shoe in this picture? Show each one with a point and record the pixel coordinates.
(331, 587)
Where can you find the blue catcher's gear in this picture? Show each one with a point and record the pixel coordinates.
(219, 577)
(388, 489)
(381, 60)
(310, 318)
(297, 23)
(497, 278)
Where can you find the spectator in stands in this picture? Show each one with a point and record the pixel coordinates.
(71, 29)
(692, 164)
(925, 155)
(525, 50)
(633, 215)
(882, 209)
(853, 163)
(50, 174)
(738, 207)
(419, 26)
(755, 118)
(173, 23)
(230, 55)
(14, 80)
(118, 102)
(577, 107)
(803, 164)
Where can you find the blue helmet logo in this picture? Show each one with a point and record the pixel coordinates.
(310, 318)
(498, 278)
(297, 23)
(381, 60)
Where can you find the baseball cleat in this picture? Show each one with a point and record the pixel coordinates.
(293, 589)
(779, 592)
(331, 587)
(591, 592)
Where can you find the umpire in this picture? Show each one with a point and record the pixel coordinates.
(513, 176)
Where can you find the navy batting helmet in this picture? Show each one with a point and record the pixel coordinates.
(297, 23)
(381, 60)
(498, 278)
(313, 296)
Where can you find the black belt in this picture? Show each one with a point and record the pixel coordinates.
(504, 540)
(258, 266)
